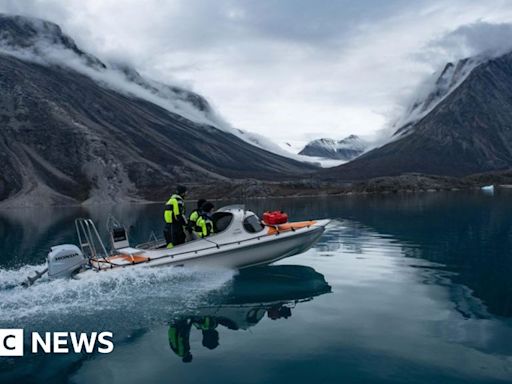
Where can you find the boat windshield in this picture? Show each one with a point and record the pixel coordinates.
(252, 224)
(221, 221)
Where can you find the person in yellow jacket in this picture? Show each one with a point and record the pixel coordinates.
(204, 223)
(192, 219)
(174, 216)
(179, 338)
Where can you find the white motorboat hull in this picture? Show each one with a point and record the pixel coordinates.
(240, 241)
(232, 254)
(248, 255)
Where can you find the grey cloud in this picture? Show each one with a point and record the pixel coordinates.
(478, 38)
(283, 68)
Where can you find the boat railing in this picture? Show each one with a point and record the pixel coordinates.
(153, 242)
(89, 239)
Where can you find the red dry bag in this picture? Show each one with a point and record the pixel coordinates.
(275, 217)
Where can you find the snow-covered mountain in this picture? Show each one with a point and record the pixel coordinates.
(462, 126)
(433, 91)
(345, 149)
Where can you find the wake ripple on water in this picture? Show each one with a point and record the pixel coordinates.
(132, 296)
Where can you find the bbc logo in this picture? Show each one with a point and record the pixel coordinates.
(11, 342)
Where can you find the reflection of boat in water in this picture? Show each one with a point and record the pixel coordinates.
(246, 303)
(277, 282)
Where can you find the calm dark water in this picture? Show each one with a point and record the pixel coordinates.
(409, 289)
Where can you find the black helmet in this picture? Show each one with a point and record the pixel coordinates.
(200, 203)
(181, 189)
(207, 207)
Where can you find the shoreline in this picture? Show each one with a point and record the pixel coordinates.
(348, 192)
(243, 189)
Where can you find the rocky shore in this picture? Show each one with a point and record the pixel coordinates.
(242, 189)
(406, 183)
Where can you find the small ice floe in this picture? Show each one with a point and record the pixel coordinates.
(488, 189)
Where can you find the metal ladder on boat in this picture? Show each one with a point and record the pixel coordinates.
(89, 239)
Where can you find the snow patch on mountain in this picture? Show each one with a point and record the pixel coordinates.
(432, 92)
(345, 150)
(351, 142)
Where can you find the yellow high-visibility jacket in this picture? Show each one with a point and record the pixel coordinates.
(175, 210)
(193, 217)
(204, 226)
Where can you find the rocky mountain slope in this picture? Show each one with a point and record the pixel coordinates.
(346, 149)
(462, 128)
(74, 129)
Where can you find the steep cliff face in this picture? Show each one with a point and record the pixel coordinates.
(465, 129)
(87, 131)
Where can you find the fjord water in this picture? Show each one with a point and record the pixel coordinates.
(400, 289)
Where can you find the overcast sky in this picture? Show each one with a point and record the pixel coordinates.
(292, 70)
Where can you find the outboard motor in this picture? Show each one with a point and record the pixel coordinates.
(64, 260)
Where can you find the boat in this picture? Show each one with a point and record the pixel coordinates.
(240, 240)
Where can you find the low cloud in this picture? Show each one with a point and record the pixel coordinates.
(475, 39)
(42, 45)
(291, 70)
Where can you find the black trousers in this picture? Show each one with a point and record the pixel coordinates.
(174, 234)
